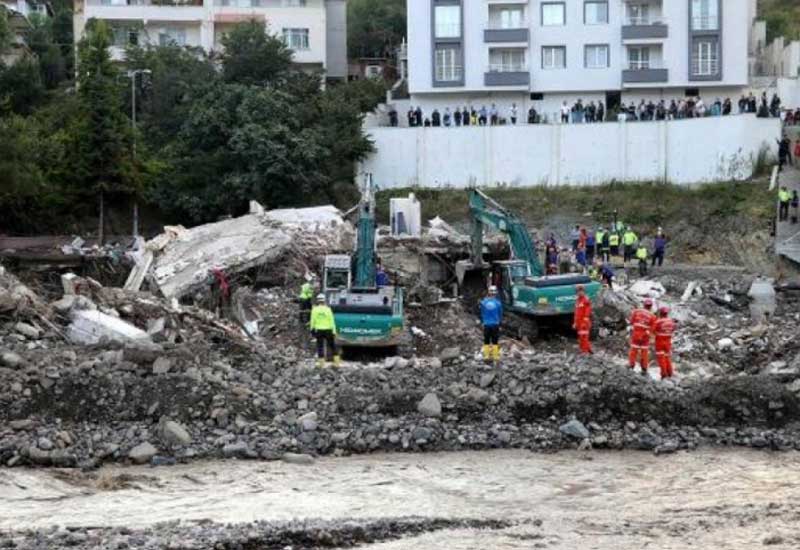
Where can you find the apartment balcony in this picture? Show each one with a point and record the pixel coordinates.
(503, 35)
(507, 75)
(645, 28)
(645, 72)
(148, 10)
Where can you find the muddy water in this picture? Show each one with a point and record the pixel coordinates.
(709, 499)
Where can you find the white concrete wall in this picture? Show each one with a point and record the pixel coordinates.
(682, 152)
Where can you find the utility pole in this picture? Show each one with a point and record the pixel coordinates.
(132, 75)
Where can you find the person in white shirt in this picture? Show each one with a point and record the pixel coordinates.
(565, 113)
(512, 113)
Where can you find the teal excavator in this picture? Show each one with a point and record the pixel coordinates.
(531, 298)
(366, 315)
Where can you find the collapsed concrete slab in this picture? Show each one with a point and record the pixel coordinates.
(92, 327)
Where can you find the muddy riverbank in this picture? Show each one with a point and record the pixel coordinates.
(496, 499)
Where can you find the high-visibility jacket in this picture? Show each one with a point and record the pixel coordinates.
(598, 237)
(613, 240)
(641, 253)
(583, 310)
(643, 322)
(784, 196)
(322, 319)
(664, 329)
(629, 238)
(306, 291)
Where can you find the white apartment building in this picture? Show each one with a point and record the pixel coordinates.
(544, 52)
(17, 12)
(316, 30)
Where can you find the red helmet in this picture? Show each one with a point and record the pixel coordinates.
(663, 310)
(648, 303)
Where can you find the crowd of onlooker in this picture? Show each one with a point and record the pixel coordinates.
(580, 112)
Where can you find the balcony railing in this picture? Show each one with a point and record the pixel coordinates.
(705, 66)
(506, 25)
(260, 3)
(645, 21)
(124, 3)
(508, 68)
(705, 23)
(644, 65)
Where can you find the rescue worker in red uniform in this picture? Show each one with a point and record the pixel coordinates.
(664, 328)
(642, 324)
(582, 322)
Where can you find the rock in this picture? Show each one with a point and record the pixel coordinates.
(28, 330)
(666, 448)
(308, 422)
(422, 433)
(296, 458)
(430, 406)
(11, 359)
(435, 363)
(449, 354)
(142, 453)
(21, 425)
(73, 302)
(759, 442)
(175, 434)
(478, 395)
(574, 429)
(93, 327)
(236, 450)
(61, 458)
(487, 379)
(773, 540)
(648, 441)
(142, 353)
(161, 366)
(39, 456)
(725, 343)
(45, 444)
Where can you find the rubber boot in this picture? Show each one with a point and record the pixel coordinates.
(487, 353)
(320, 362)
(496, 354)
(337, 361)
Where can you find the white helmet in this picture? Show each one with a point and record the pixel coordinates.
(321, 298)
(492, 290)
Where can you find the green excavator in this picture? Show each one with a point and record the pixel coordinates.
(531, 298)
(367, 316)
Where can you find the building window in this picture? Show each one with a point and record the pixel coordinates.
(595, 12)
(705, 15)
(294, 3)
(296, 39)
(448, 64)
(554, 14)
(507, 17)
(125, 36)
(447, 21)
(554, 57)
(507, 60)
(638, 58)
(172, 35)
(596, 56)
(705, 58)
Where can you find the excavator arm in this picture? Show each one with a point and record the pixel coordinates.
(486, 211)
(365, 248)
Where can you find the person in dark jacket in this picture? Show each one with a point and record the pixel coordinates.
(659, 249)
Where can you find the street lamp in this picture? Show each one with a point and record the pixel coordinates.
(132, 75)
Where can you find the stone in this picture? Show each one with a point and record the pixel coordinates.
(142, 353)
(435, 363)
(421, 433)
(161, 366)
(236, 450)
(45, 444)
(308, 422)
(11, 359)
(297, 458)
(574, 429)
(430, 406)
(175, 434)
(668, 447)
(39, 456)
(28, 330)
(21, 425)
(725, 343)
(449, 354)
(478, 395)
(142, 453)
(487, 379)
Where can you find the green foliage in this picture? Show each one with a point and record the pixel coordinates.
(40, 39)
(782, 17)
(375, 27)
(103, 133)
(21, 86)
(5, 30)
(252, 56)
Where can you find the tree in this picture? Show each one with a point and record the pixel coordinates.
(40, 39)
(5, 31)
(21, 87)
(103, 136)
(253, 56)
(375, 27)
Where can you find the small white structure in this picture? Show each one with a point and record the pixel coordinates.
(406, 216)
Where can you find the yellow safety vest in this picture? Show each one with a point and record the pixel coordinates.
(322, 319)
(613, 240)
(784, 196)
(641, 253)
(598, 237)
(306, 291)
(629, 238)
